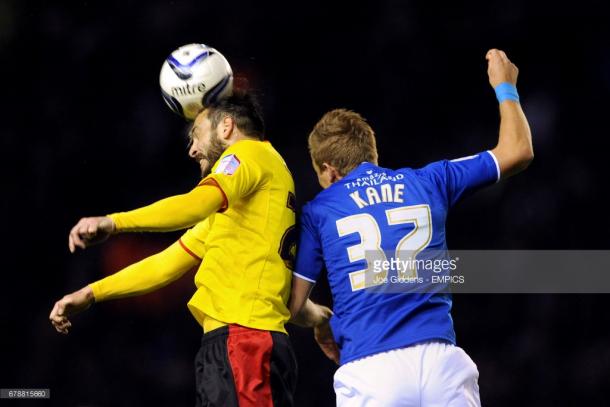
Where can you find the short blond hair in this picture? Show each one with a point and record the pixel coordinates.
(342, 138)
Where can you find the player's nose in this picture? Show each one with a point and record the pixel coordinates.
(193, 151)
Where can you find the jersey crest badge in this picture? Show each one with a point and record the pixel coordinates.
(228, 165)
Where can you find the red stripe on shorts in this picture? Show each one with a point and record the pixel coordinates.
(250, 358)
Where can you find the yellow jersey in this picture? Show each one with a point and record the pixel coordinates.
(248, 246)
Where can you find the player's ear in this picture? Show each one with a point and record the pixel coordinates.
(332, 175)
(228, 126)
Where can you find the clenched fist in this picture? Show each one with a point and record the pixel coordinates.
(90, 231)
(500, 69)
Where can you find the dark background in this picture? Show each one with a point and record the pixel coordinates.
(84, 131)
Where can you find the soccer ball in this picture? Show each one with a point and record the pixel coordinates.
(193, 76)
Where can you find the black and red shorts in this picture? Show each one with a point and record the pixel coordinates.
(239, 366)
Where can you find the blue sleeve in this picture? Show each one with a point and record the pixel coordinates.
(464, 175)
(310, 260)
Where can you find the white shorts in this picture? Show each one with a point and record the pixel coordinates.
(429, 374)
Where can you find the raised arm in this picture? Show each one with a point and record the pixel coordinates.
(173, 213)
(514, 151)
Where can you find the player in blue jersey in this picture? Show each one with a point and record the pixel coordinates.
(396, 348)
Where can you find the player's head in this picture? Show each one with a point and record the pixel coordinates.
(221, 124)
(338, 143)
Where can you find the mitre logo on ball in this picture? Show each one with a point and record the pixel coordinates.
(192, 77)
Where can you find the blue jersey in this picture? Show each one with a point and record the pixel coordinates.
(374, 208)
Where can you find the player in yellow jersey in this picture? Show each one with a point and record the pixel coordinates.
(243, 212)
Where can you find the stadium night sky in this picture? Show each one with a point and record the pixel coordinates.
(85, 131)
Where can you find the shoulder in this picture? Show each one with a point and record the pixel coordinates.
(314, 208)
(309, 219)
(323, 199)
(243, 153)
(308, 208)
(442, 167)
(257, 152)
(431, 168)
(249, 148)
(435, 171)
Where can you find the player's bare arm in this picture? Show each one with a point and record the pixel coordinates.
(173, 213)
(306, 313)
(139, 278)
(311, 315)
(299, 294)
(514, 151)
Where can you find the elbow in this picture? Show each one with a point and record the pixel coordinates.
(526, 150)
(514, 162)
(525, 160)
(521, 162)
(526, 157)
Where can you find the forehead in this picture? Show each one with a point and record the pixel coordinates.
(201, 118)
(200, 121)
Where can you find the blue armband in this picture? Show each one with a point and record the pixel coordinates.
(506, 91)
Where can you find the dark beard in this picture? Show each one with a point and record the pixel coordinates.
(216, 149)
(213, 153)
(206, 172)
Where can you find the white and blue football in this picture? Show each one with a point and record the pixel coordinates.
(194, 76)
